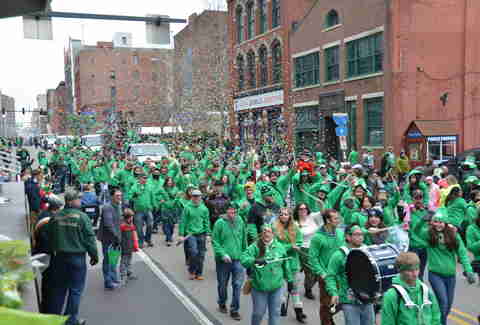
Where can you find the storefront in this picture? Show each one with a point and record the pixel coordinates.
(259, 116)
(435, 140)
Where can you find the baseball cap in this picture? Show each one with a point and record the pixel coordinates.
(72, 195)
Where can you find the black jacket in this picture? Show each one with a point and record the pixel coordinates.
(109, 229)
(260, 213)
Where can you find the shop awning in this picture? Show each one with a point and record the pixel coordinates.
(435, 128)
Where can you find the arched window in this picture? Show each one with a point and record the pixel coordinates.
(239, 18)
(275, 13)
(262, 56)
(262, 6)
(276, 62)
(240, 71)
(332, 19)
(252, 81)
(250, 20)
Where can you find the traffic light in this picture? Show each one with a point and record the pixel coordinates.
(23, 110)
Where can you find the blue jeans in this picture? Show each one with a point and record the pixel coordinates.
(168, 230)
(196, 249)
(224, 270)
(140, 219)
(110, 274)
(263, 299)
(357, 314)
(69, 272)
(444, 289)
(422, 255)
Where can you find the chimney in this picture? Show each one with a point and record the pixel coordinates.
(191, 18)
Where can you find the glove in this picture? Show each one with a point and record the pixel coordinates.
(227, 259)
(290, 287)
(260, 262)
(471, 278)
(93, 260)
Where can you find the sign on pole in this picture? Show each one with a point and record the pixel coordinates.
(341, 131)
(343, 142)
(341, 119)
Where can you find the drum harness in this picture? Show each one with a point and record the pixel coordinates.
(409, 302)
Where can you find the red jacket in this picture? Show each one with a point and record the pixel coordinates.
(306, 165)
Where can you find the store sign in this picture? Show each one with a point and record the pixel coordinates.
(442, 138)
(263, 100)
(414, 135)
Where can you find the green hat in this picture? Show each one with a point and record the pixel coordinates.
(415, 172)
(320, 188)
(72, 195)
(472, 179)
(361, 182)
(266, 190)
(276, 169)
(441, 215)
(305, 173)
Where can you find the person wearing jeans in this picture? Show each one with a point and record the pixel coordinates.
(142, 196)
(270, 269)
(444, 247)
(229, 240)
(193, 230)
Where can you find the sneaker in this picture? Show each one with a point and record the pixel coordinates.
(223, 309)
(200, 278)
(235, 315)
(81, 322)
(112, 287)
(132, 277)
(192, 276)
(309, 295)
(150, 244)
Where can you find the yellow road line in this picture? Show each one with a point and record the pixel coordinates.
(466, 315)
(458, 320)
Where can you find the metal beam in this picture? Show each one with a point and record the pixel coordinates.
(156, 20)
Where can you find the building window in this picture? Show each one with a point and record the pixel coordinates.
(332, 64)
(307, 70)
(262, 5)
(251, 69)
(124, 40)
(276, 62)
(275, 13)
(365, 55)
(136, 75)
(240, 71)
(250, 20)
(373, 111)
(112, 75)
(239, 18)
(351, 108)
(332, 19)
(441, 148)
(262, 54)
(135, 59)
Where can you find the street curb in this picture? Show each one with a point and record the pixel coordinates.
(211, 318)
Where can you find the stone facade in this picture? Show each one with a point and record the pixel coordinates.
(201, 70)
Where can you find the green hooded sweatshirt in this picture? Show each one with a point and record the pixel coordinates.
(195, 220)
(336, 280)
(292, 253)
(273, 275)
(142, 196)
(394, 311)
(457, 209)
(322, 246)
(473, 241)
(229, 238)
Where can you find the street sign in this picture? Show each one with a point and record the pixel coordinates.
(341, 119)
(343, 142)
(341, 131)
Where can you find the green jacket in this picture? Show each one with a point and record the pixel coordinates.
(407, 197)
(416, 221)
(471, 213)
(394, 311)
(473, 241)
(70, 231)
(353, 157)
(457, 209)
(229, 238)
(273, 275)
(195, 220)
(322, 246)
(336, 280)
(292, 253)
(142, 197)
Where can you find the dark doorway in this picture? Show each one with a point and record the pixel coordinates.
(331, 140)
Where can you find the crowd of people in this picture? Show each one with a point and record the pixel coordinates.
(269, 216)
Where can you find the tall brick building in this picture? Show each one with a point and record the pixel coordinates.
(57, 109)
(134, 81)
(201, 68)
(259, 50)
(403, 70)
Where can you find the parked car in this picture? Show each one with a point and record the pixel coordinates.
(144, 151)
(455, 165)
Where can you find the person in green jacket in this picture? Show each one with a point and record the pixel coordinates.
(457, 209)
(324, 243)
(270, 267)
(288, 233)
(71, 237)
(444, 247)
(473, 243)
(409, 301)
(142, 198)
(354, 311)
(193, 229)
(229, 241)
(353, 157)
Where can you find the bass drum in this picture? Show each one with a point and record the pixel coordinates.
(370, 270)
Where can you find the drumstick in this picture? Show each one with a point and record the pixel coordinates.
(180, 242)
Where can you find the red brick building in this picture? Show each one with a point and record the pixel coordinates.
(136, 81)
(201, 69)
(403, 70)
(57, 110)
(259, 50)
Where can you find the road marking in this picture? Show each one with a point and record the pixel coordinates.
(197, 313)
(466, 315)
(458, 320)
